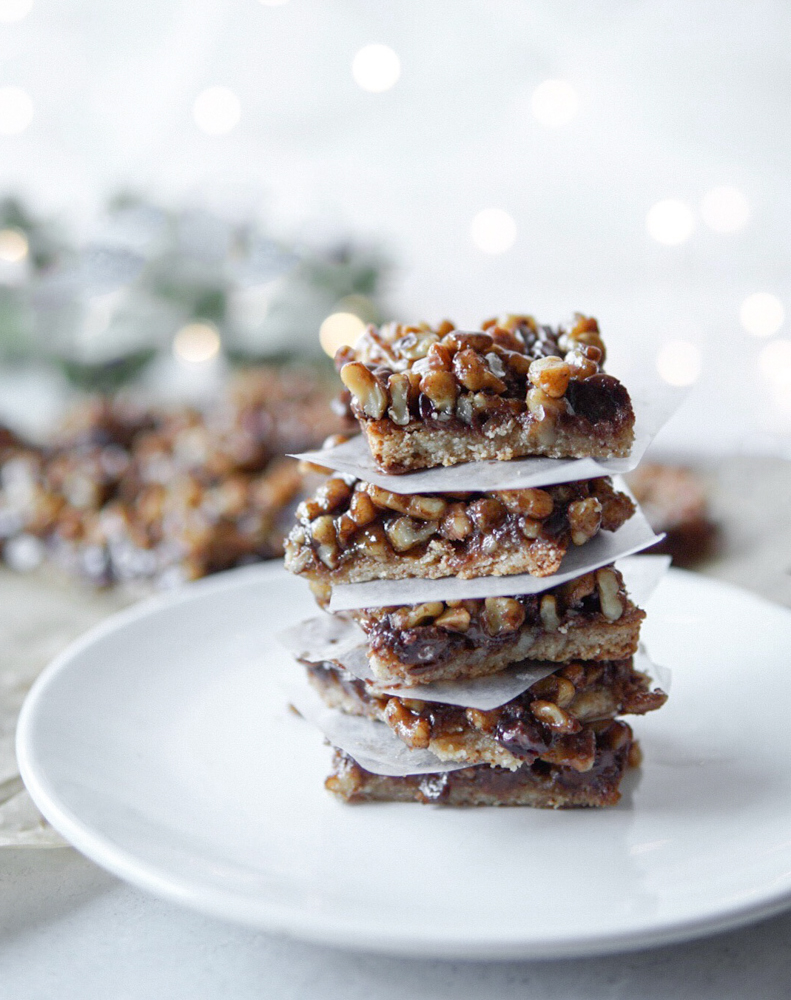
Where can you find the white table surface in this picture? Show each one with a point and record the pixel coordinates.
(68, 930)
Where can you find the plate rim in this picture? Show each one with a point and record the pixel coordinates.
(339, 932)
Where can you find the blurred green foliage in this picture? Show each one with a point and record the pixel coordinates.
(103, 310)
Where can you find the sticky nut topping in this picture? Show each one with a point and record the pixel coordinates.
(412, 728)
(551, 375)
(365, 388)
(404, 533)
(535, 503)
(402, 394)
(440, 388)
(610, 600)
(584, 519)
(417, 372)
(417, 614)
(541, 723)
(362, 509)
(501, 616)
(554, 716)
(549, 612)
(454, 620)
(457, 524)
(361, 517)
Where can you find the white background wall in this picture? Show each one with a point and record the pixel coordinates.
(675, 98)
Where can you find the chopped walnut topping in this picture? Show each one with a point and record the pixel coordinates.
(609, 594)
(379, 523)
(584, 519)
(549, 613)
(365, 388)
(512, 368)
(551, 375)
(581, 599)
(502, 614)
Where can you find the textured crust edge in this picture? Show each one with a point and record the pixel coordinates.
(539, 557)
(398, 449)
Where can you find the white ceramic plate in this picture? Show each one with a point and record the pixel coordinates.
(160, 746)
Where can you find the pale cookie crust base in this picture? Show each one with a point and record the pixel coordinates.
(599, 640)
(539, 786)
(440, 558)
(417, 446)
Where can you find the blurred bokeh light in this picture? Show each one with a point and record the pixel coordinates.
(679, 362)
(16, 110)
(13, 245)
(725, 209)
(762, 314)
(493, 231)
(216, 110)
(376, 68)
(339, 330)
(670, 222)
(554, 103)
(196, 343)
(14, 10)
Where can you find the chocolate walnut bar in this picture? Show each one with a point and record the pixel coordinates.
(540, 785)
(590, 618)
(553, 721)
(129, 493)
(427, 396)
(353, 532)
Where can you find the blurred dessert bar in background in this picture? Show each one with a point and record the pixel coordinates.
(675, 501)
(129, 492)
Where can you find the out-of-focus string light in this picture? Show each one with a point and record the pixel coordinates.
(679, 362)
(14, 10)
(376, 68)
(216, 110)
(339, 330)
(670, 222)
(16, 110)
(762, 314)
(13, 245)
(196, 343)
(554, 103)
(493, 231)
(774, 363)
(725, 209)
(24, 553)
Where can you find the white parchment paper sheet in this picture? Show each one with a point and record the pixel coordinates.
(372, 744)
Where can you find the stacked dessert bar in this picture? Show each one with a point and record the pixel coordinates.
(515, 685)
